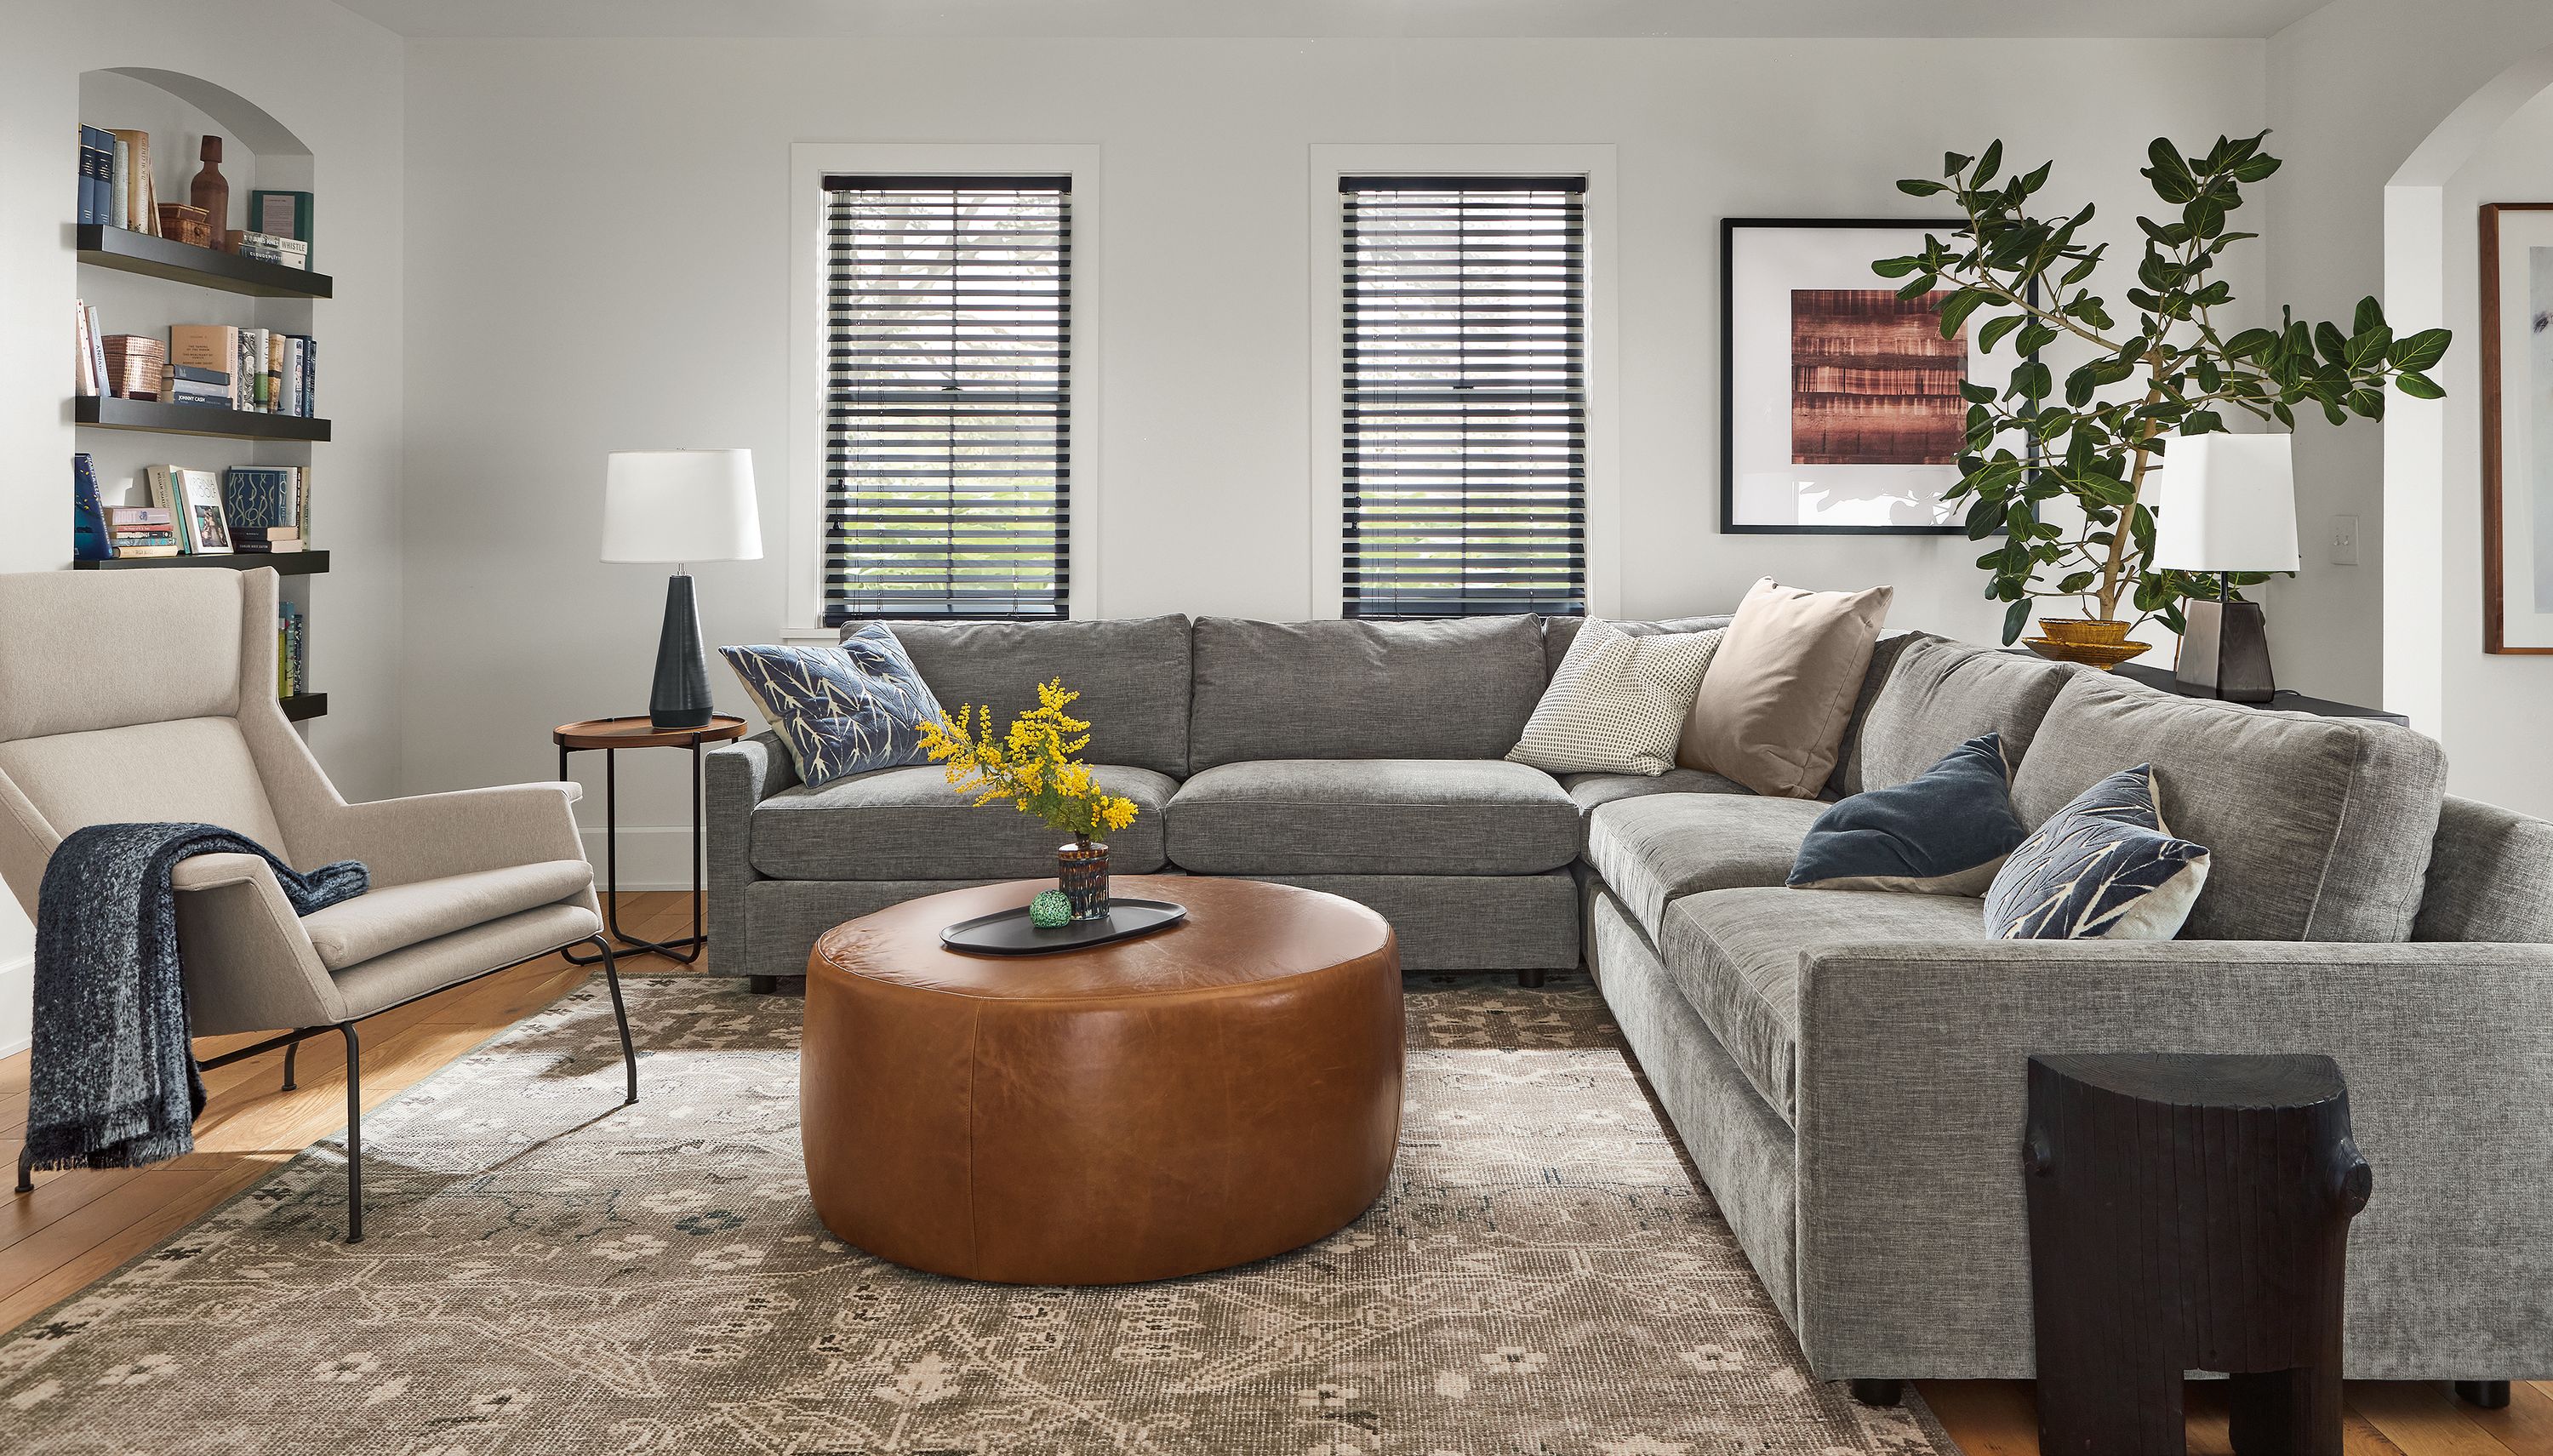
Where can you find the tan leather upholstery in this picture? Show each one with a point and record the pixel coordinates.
(1215, 1093)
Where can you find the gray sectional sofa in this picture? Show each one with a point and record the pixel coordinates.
(1844, 1067)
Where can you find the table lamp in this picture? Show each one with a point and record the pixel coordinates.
(680, 506)
(2226, 504)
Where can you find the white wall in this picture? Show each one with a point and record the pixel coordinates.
(2354, 89)
(625, 285)
(333, 80)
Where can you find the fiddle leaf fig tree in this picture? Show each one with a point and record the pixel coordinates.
(2163, 369)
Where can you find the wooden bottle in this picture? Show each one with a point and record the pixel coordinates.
(211, 191)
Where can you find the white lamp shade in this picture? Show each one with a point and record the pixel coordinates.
(2225, 503)
(680, 506)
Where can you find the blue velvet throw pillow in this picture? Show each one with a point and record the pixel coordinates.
(847, 708)
(2103, 867)
(1944, 831)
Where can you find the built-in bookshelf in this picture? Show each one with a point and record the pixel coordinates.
(174, 111)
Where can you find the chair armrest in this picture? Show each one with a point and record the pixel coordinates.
(739, 775)
(1913, 1252)
(430, 836)
(249, 963)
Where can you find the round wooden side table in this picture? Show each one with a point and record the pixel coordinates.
(611, 735)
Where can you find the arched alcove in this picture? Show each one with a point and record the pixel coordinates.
(2434, 667)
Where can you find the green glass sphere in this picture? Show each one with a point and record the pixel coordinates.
(1050, 910)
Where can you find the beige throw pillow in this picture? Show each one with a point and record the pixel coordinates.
(1772, 712)
(1618, 701)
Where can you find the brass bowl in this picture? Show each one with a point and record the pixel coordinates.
(2096, 642)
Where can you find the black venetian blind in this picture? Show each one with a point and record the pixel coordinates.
(947, 402)
(1464, 436)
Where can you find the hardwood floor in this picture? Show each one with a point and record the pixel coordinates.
(78, 1227)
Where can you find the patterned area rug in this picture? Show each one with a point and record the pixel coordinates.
(550, 1272)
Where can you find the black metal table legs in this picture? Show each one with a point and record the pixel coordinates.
(683, 950)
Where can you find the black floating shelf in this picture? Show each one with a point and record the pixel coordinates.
(166, 258)
(286, 563)
(110, 413)
(302, 706)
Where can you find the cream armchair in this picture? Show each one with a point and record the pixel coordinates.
(148, 696)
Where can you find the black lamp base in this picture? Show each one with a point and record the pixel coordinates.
(680, 697)
(2225, 652)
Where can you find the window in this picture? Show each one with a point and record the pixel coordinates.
(947, 401)
(1464, 423)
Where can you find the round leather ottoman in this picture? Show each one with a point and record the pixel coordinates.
(1204, 1096)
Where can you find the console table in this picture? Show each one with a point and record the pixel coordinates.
(2286, 702)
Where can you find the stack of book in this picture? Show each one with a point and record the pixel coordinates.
(265, 540)
(291, 652)
(256, 370)
(116, 187)
(268, 248)
(141, 530)
(183, 384)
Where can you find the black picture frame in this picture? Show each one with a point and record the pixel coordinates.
(1728, 228)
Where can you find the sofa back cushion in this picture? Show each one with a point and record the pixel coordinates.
(1460, 688)
(1132, 675)
(1559, 633)
(2320, 828)
(2490, 878)
(1938, 694)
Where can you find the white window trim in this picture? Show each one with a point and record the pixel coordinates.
(1591, 160)
(810, 163)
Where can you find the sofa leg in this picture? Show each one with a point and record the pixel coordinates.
(1529, 977)
(620, 1015)
(2485, 1395)
(354, 1135)
(1881, 1393)
(763, 985)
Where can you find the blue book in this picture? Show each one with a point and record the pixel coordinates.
(89, 541)
(97, 173)
(259, 496)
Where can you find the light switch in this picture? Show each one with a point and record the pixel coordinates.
(2344, 540)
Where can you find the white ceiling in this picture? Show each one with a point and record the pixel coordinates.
(1340, 18)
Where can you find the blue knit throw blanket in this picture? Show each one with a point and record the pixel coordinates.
(113, 1081)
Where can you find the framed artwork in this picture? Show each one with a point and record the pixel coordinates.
(2517, 427)
(1839, 409)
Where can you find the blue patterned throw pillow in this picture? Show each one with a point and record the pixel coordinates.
(2103, 867)
(1944, 831)
(841, 710)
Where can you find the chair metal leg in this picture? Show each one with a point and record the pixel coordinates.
(26, 1170)
(290, 1051)
(354, 1134)
(619, 1014)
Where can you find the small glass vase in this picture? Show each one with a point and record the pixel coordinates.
(1081, 872)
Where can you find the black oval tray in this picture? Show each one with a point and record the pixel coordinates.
(1009, 932)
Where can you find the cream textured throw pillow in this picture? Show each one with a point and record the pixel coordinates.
(1618, 701)
(1772, 713)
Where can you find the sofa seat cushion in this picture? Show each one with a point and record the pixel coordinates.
(1373, 816)
(1735, 954)
(908, 824)
(2318, 828)
(1592, 791)
(1653, 850)
(391, 918)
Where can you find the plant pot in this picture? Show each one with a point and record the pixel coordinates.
(1081, 872)
(2098, 642)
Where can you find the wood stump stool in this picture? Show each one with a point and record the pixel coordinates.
(2188, 1212)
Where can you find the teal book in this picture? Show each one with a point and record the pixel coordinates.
(259, 496)
(89, 541)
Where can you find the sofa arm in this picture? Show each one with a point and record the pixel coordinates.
(430, 835)
(741, 775)
(1913, 1236)
(249, 963)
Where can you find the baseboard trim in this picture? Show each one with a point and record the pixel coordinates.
(652, 858)
(17, 1004)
